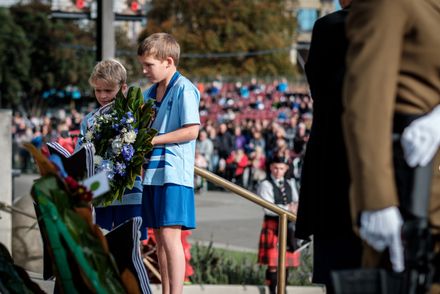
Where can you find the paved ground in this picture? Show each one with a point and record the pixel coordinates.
(228, 220)
(27, 247)
(22, 185)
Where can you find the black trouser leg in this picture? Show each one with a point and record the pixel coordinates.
(272, 279)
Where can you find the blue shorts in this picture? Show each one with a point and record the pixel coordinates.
(110, 217)
(168, 205)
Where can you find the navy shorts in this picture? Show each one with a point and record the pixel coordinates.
(168, 205)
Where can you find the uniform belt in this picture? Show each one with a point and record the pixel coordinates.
(401, 121)
(273, 217)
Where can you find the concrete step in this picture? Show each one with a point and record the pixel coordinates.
(239, 289)
(48, 286)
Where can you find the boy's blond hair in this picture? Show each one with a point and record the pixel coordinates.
(160, 46)
(111, 71)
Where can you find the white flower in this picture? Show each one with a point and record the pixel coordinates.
(89, 136)
(117, 146)
(130, 120)
(124, 130)
(107, 166)
(130, 137)
(97, 159)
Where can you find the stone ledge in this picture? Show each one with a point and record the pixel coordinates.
(48, 286)
(239, 289)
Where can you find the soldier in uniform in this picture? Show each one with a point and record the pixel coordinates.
(392, 81)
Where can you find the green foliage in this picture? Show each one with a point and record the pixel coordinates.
(220, 266)
(126, 52)
(10, 280)
(50, 58)
(213, 266)
(225, 26)
(302, 275)
(14, 60)
(58, 209)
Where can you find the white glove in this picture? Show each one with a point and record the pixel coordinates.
(381, 229)
(421, 139)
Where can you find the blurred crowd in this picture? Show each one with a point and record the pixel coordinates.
(243, 125)
(60, 126)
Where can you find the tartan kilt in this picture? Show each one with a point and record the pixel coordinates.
(268, 246)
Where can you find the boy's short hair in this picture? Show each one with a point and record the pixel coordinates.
(110, 71)
(160, 46)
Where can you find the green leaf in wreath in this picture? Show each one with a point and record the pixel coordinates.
(120, 101)
(95, 186)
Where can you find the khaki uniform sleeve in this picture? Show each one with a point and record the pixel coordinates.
(375, 30)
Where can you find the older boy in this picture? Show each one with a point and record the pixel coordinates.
(168, 198)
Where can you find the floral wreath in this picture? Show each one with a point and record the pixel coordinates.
(121, 136)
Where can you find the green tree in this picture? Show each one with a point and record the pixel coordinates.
(126, 52)
(14, 60)
(260, 29)
(59, 53)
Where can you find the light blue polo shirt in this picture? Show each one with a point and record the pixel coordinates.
(173, 163)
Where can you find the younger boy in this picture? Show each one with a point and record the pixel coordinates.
(107, 78)
(168, 198)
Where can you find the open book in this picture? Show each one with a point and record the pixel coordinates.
(78, 165)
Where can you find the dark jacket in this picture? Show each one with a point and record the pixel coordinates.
(323, 199)
(224, 144)
(324, 209)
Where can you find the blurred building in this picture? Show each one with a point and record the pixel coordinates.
(129, 14)
(7, 3)
(307, 12)
(127, 7)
